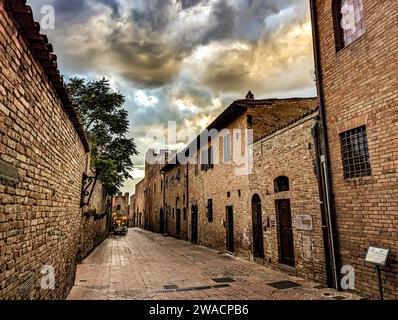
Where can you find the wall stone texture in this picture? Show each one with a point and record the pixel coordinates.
(290, 153)
(360, 87)
(187, 186)
(40, 215)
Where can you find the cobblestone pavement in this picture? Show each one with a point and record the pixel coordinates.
(145, 265)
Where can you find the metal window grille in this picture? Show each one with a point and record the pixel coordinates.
(355, 153)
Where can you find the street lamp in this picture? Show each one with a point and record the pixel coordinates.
(87, 189)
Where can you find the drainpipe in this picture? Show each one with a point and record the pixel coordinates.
(164, 227)
(187, 200)
(325, 160)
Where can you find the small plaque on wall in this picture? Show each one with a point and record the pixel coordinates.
(377, 255)
(304, 222)
(273, 221)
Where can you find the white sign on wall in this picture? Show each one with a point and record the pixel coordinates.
(377, 255)
(304, 222)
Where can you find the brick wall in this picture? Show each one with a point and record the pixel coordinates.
(132, 220)
(96, 220)
(221, 183)
(360, 87)
(121, 204)
(216, 183)
(176, 201)
(41, 144)
(139, 209)
(290, 153)
(153, 188)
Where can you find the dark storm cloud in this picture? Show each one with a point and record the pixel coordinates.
(114, 5)
(149, 45)
(193, 56)
(153, 15)
(186, 4)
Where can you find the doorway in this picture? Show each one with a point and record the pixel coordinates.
(230, 229)
(162, 221)
(257, 220)
(285, 232)
(178, 222)
(194, 224)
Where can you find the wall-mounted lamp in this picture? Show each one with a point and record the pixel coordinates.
(87, 189)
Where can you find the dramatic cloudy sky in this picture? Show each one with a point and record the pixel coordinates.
(184, 60)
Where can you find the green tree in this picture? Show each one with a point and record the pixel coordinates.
(101, 113)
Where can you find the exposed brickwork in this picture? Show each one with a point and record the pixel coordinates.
(121, 204)
(154, 194)
(187, 186)
(139, 204)
(360, 87)
(176, 201)
(290, 153)
(40, 214)
(96, 220)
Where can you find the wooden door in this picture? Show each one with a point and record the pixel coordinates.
(257, 221)
(178, 222)
(194, 224)
(285, 233)
(230, 229)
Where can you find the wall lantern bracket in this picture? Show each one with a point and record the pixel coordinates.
(87, 189)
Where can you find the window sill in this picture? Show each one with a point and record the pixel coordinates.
(350, 46)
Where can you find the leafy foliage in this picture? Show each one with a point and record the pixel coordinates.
(101, 113)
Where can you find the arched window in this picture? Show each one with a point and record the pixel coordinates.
(349, 21)
(282, 184)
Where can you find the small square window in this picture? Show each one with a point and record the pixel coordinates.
(355, 153)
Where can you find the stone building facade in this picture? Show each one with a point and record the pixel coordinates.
(121, 204)
(175, 201)
(132, 211)
(155, 217)
(220, 192)
(209, 200)
(43, 156)
(357, 71)
(139, 205)
(96, 220)
(286, 220)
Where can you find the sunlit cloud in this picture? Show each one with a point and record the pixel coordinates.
(184, 60)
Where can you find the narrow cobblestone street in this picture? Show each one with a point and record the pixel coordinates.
(145, 265)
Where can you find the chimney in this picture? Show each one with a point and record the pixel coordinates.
(250, 96)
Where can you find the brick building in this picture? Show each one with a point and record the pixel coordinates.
(155, 217)
(176, 204)
(121, 204)
(212, 201)
(286, 219)
(357, 67)
(139, 205)
(44, 155)
(132, 211)
(219, 193)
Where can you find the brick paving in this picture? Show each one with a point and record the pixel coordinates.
(148, 266)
